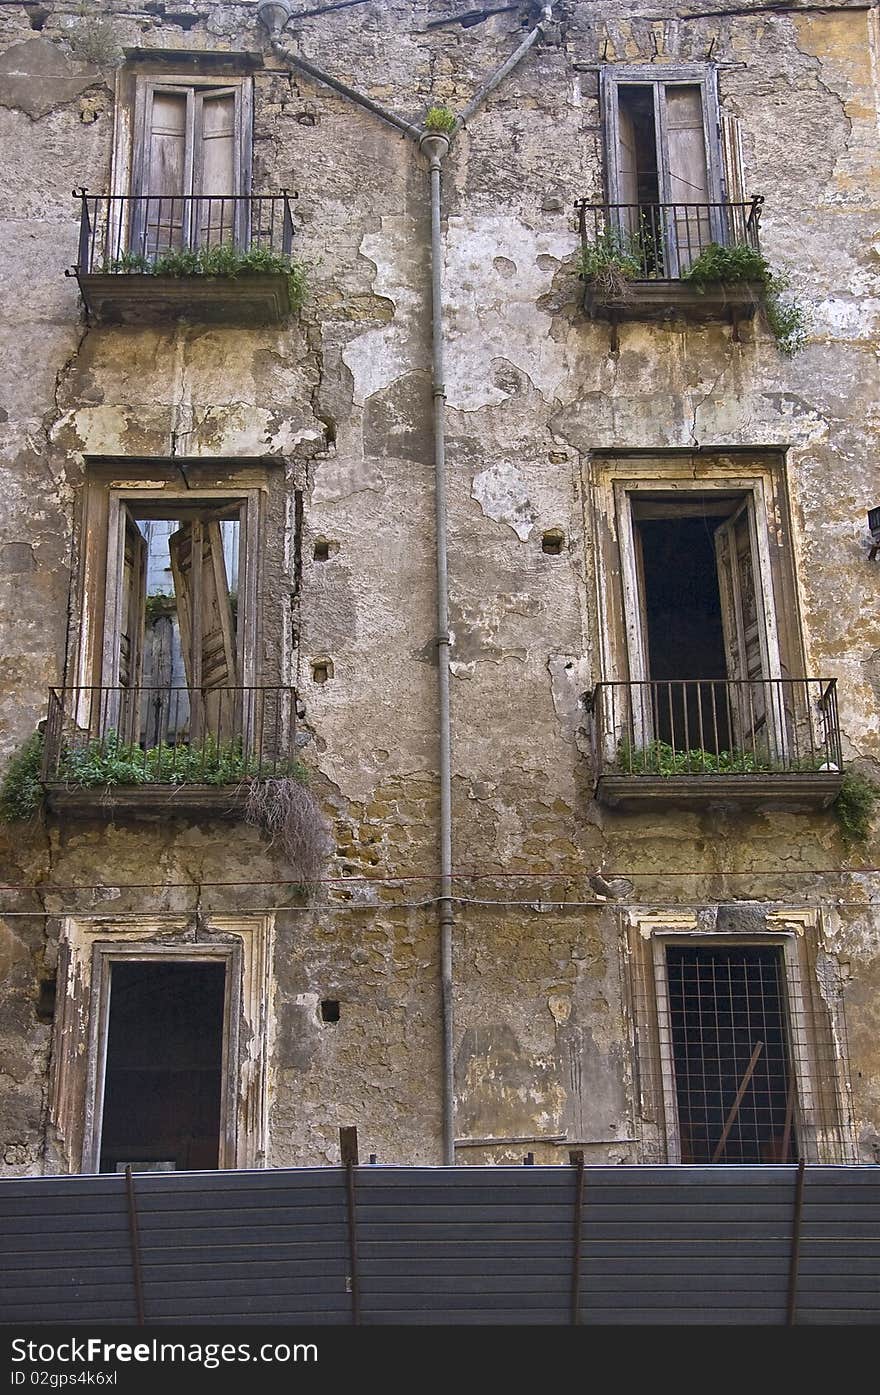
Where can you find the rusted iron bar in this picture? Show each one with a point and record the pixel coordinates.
(576, 1157)
(734, 1108)
(348, 1147)
(795, 1260)
(135, 1241)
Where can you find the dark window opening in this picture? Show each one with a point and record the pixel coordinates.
(163, 1075)
(729, 1038)
(637, 114)
(46, 994)
(685, 634)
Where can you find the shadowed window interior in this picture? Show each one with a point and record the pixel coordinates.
(733, 1082)
(164, 1067)
(684, 626)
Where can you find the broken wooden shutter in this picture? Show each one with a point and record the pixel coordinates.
(732, 158)
(132, 618)
(684, 175)
(133, 604)
(745, 639)
(643, 696)
(207, 627)
(734, 187)
(627, 171)
(216, 166)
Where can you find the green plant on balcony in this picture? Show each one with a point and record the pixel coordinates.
(111, 762)
(277, 797)
(221, 259)
(659, 758)
(611, 262)
(741, 264)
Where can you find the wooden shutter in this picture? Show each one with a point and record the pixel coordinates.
(216, 165)
(733, 179)
(745, 640)
(122, 711)
(684, 174)
(732, 158)
(167, 168)
(133, 604)
(627, 169)
(207, 628)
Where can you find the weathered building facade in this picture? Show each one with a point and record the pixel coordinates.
(622, 916)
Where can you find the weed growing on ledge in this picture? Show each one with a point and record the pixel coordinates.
(741, 263)
(21, 793)
(611, 262)
(854, 807)
(440, 120)
(659, 758)
(114, 762)
(220, 260)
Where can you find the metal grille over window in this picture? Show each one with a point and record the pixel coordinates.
(733, 1078)
(748, 1058)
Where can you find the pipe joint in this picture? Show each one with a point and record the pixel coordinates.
(435, 145)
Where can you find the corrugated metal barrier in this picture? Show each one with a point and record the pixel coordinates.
(554, 1245)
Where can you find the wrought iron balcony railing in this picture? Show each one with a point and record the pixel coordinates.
(717, 727)
(663, 240)
(103, 736)
(126, 234)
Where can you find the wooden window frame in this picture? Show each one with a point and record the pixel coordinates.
(130, 115)
(618, 476)
(88, 950)
(110, 490)
(674, 75)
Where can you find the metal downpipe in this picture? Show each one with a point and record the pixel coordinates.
(506, 67)
(435, 147)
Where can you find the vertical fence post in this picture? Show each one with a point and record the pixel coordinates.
(348, 1147)
(794, 1262)
(135, 1240)
(576, 1158)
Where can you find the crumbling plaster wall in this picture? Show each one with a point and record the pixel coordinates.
(343, 395)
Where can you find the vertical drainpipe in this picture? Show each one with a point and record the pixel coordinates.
(435, 146)
(274, 15)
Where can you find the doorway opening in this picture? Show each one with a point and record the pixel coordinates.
(163, 1076)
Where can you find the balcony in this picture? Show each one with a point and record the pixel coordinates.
(213, 260)
(153, 752)
(642, 255)
(768, 743)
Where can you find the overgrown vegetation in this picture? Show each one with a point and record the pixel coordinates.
(113, 762)
(94, 41)
(854, 807)
(440, 120)
(739, 264)
(611, 262)
(222, 259)
(288, 812)
(659, 758)
(277, 797)
(21, 793)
